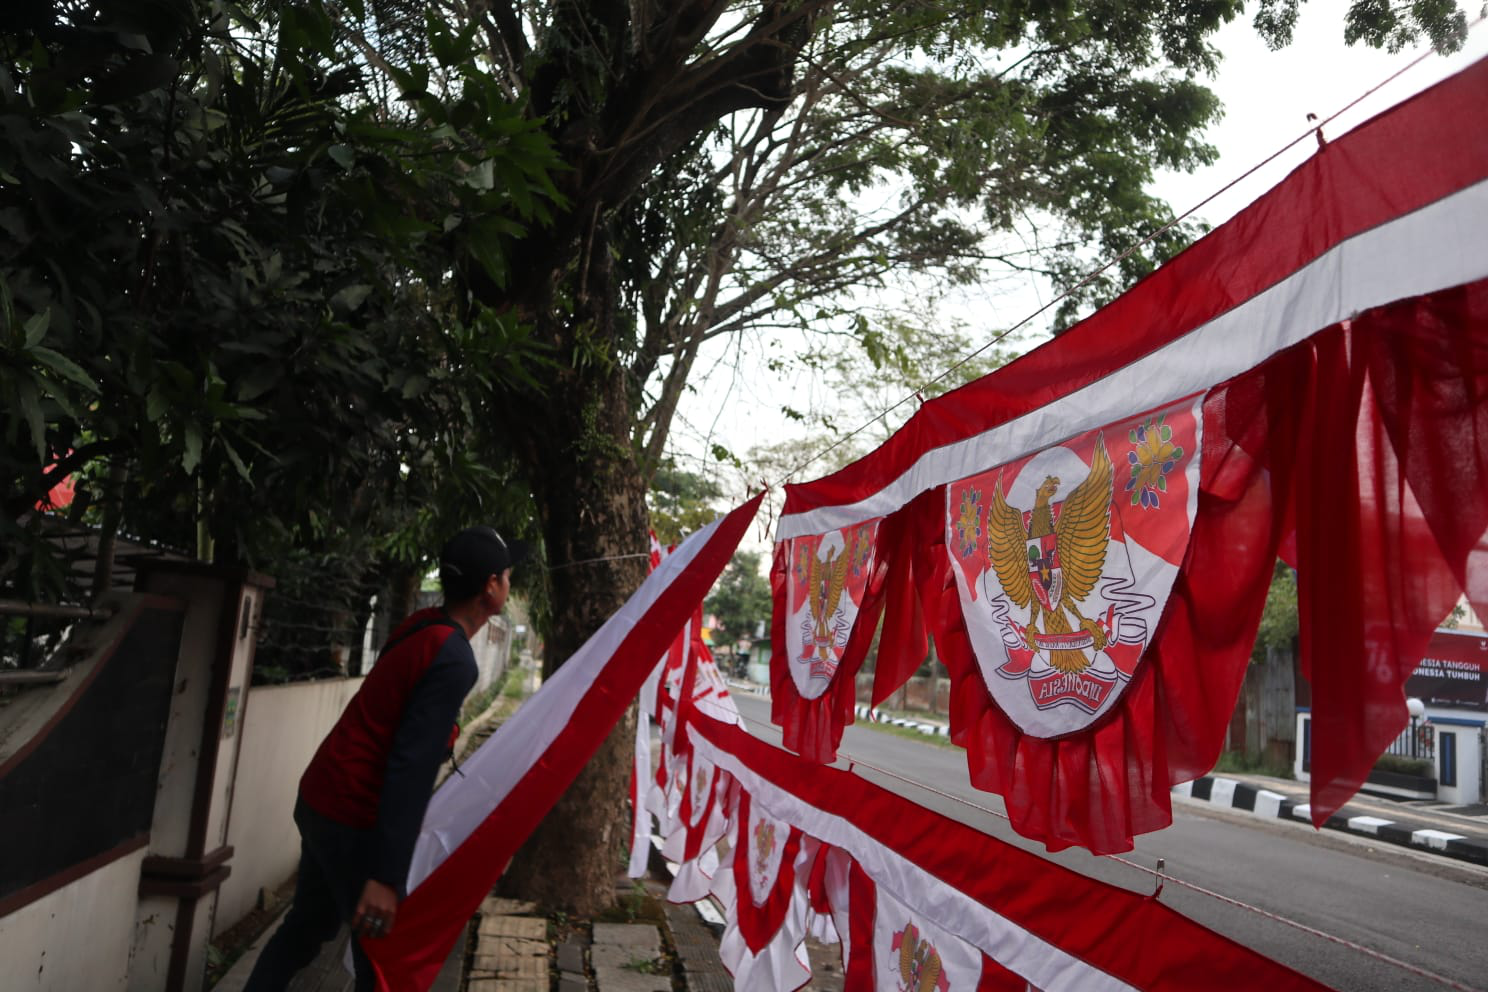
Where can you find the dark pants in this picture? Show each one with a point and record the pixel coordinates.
(333, 870)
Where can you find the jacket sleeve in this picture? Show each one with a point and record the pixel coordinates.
(419, 746)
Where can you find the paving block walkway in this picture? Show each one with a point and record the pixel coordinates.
(511, 949)
(627, 958)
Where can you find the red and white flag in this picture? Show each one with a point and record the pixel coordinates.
(925, 902)
(477, 820)
(1090, 531)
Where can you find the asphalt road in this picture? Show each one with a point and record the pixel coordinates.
(1423, 910)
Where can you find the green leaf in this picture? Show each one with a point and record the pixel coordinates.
(483, 176)
(191, 441)
(31, 409)
(65, 366)
(342, 155)
(36, 327)
(351, 297)
(155, 405)
(262, 378)
(232, 456)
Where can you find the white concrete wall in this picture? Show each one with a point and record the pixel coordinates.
(282, 725)
(1469, 764)
(78, 937)
(492, 652)
(1470, 787)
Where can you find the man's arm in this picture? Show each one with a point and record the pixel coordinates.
(420, 744)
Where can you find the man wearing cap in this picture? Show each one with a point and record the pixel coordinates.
(363, 796)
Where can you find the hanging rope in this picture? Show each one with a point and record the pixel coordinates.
(592, 561)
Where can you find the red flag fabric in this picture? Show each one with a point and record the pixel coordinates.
(917, 897)
(475, 822)
(1092, 529)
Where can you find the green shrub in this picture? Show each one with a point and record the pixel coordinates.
(1401, 765)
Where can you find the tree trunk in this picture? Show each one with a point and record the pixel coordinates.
(571, 860)
(591, 496)
(403, 590)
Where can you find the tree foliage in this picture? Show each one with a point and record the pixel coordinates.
(1279, 623)
(681, 502)
(227, 274)
(741, 599)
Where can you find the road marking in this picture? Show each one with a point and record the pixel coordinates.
(1436, 839)
(1368, 824)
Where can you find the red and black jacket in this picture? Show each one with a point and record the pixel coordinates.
(375, 770)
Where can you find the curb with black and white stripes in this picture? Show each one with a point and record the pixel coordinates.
(1264, 802)
(871, 715)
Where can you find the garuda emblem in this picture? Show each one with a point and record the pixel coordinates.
(920, 967)
(1049, 558)
(764, 846)
(1063, 568)
(828, 577)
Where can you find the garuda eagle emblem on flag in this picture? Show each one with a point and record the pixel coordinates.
(1065, 564)
(1065, 553)
(829, 574)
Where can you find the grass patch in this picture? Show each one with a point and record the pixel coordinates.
(1240, 762)
(939, 740)
(513, 685)
(648, 966)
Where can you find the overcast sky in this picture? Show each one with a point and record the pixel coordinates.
(1267, 97)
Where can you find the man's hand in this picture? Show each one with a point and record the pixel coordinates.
(375, 910)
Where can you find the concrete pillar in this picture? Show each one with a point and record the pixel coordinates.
(189, 856)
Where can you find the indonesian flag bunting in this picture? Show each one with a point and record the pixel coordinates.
(827, 604)
(924, 902)
(765, 871)
(664, 793)
(1092, 529)
(830, 592)
(764, 895)
(700, 821)
(476, 821)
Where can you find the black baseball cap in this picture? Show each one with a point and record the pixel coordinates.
(472, 556)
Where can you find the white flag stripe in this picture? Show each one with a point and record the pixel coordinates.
(464, 802)
(1436, 247)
